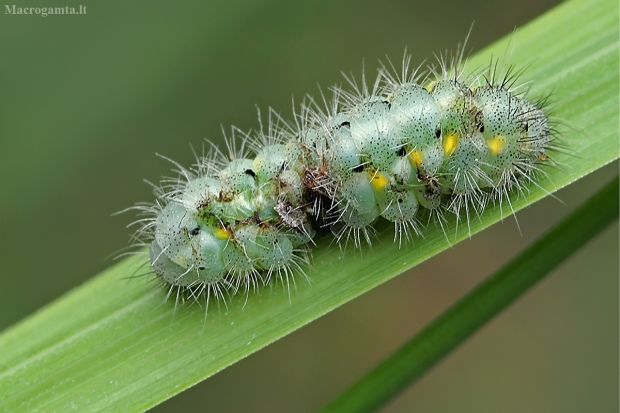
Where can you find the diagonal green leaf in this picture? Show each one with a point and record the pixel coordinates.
(486, 301)
(112, 345)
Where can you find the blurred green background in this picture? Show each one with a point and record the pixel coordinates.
(86, 102)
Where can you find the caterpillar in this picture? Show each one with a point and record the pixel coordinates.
(407, 146)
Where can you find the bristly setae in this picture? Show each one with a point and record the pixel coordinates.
(410, 143)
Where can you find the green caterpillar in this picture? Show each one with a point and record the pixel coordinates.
(392, 151)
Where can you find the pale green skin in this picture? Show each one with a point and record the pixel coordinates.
(236, 226)
(194, 243)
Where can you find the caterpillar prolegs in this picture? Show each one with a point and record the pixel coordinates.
(400, 148)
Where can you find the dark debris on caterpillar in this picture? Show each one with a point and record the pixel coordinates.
(407, 144)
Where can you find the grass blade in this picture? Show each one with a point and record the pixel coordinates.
(483, 303)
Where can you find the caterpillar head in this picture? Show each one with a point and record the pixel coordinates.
(186, 252)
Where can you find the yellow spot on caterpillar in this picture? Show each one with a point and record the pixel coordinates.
(497, 144)
(222, 233)
(450, 143)
(377, 180)
(431, 86)
(181, 260)
(416, 158)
